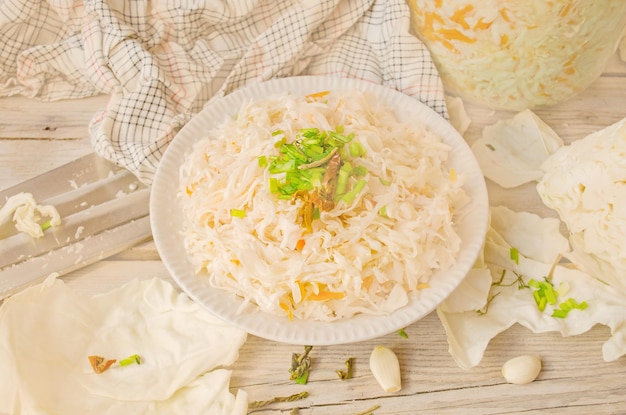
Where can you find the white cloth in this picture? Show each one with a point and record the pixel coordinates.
(162, 61)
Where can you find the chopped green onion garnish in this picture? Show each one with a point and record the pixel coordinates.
(316, 167)
(340, 137)
(352, 194)
(342, 180)
(533, 283)
(238, 213)
(550, 296)
(280, 142)
(383, 211)
(316, 213)
(273, 185)
(359, 171)
(130, 360)
(514, 253)
(542, 303)
(545, 294)
(294, 152)
(45, 225)
(356, 149)
(566, 306)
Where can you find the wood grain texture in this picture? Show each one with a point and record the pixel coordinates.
(35, 137)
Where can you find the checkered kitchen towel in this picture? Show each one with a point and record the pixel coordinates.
(161, 61)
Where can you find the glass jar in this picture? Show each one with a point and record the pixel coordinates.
(518, 54)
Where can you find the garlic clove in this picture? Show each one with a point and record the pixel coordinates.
(522, 369)
(385, 367)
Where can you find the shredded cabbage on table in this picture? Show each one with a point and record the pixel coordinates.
(370, 254)
(585, 182)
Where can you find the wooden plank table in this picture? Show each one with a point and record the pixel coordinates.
(37, 136)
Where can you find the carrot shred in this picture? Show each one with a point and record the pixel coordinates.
(300, 244)
(565, 10)
(459, 16)
(428, 28)
(367, 282)
(448, 45)
(301, 287)
(191, 188)
(482, 25)
(317, 95)
(287, 309)
(504, 15)
(326, 295)
(453, 34)
(571, 60)
(453, 175)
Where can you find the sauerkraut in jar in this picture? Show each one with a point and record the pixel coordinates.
(518, 54)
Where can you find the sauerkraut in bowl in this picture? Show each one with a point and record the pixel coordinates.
(518, 54)
(318, 203)
(320, 206)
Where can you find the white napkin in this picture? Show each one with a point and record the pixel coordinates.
(48, 331)
(162, 61)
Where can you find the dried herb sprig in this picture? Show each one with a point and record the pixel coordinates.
(346, 374)
(300, 366)
(369, 411)
(290, 398)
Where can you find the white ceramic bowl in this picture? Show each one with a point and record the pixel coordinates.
(166, 221)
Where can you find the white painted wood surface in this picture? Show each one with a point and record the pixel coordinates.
(37, 136)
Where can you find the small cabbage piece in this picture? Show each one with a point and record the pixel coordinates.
(511, 151)
(458, 116)
(23, 209)
(585, 182)
(539, 244)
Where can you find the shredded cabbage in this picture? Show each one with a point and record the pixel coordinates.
(539, 243)
(585, 182)
(372, 255)
(518, 54)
